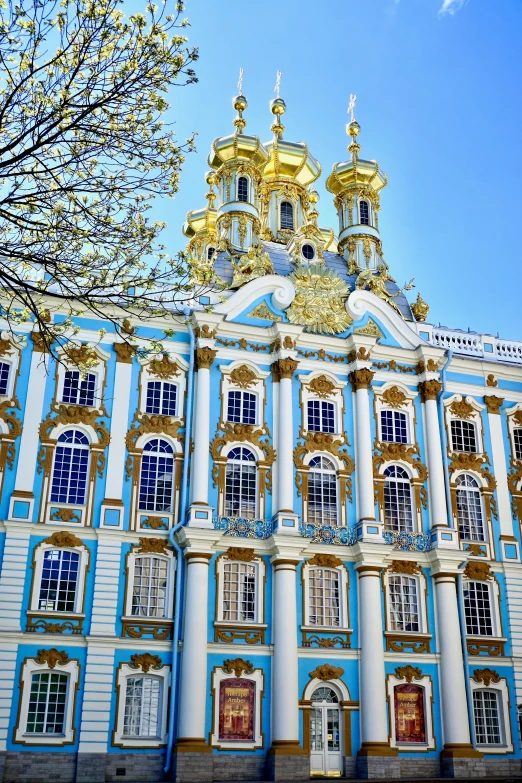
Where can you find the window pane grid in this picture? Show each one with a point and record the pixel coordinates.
(364, 213)
(4, 377)
(59, 580)
(322, 492)
(463, 436)
(47, 702)
(241, 407)
(242, 189)
(324, 592)
(141, 717)
(240, 484)
(398, 514)
(394, 428)
(404, 608)
(477, 608)
(487, 719)
(517, 439)
(161, 398)
(321, 416)
(469, 509)
(149, 587)
(156, 482)
(239, 592)
(287, 215)
(70, 469)
(78, 389)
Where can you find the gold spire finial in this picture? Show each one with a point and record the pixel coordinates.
(278, 83)
(240, 104)
(240, 82)
(278, 108)
(353, 128)
(351, 107)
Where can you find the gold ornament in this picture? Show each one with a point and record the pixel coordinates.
(475, 550)
(371, 329)
(327, 672)
(286, 367)
(493, 404)
(255, 263)
(154, 523)
(65, 515)
(420, 309)
(491, 381)
(404, 567)
(163, 368)
(477, 570)
(322, 441)
(319, 300)
(240, 553)
(394, 397)
(52, 657)
(324, 561)
(124, 352)
(375, 282)
(205, 358)
(40, 343)
(264, 312)
(146, 661)
(487, 676)
(408, 673)
(462, 409)
(237, 666)
(228, 432)
(145, 423)
(430, 390)
(361, 379)
(321, 386)
(153, 546)
(61, 538)
(243, 377)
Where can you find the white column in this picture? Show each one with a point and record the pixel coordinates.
(285, 694)
(14, 575)
(275, 430)
(285, 457)
(374, 724)
(361, 379)
(436, 485)
(499, 465)
(455, 721)
(119, 427)
(106, 585)
(193, 681)
(200, 457)
(96, 724)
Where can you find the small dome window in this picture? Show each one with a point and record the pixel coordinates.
(308, 252)
(364, 213)
(242, 189)
(287, 215)
(210, 253)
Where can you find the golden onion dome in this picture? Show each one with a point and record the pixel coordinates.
(199, 220)
(356, 171)
(238, 147)
(290, 161)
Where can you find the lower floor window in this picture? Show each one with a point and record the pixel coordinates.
(142, 706)
(47, 703)
(487, 718)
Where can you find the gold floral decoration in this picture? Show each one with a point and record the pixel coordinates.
(420, 309)
(124, 352)
(491, 381)
(253, 264)
(264, 312)
(487, 676)
(228, 432)
(371, 329)
(404, 567)
(478, 570)
(430, 390)
(74, 414)
(462, 409)
(394, 397)
(237, 666)
(66, 515)
(146, 423)
(361, 379)
(324, 442)
(286, 367)
(82, 356)
(14, 426)
(157, 546)
(321, 386)
(517, 418)
(52, 657)
(146, 661)
(319, 302)
(163, 368)
(493, 404)
(408, 673)
(323, 560)
(463, 460)
(394, 452)
(243, 377)
(154, 523)
(204, 358)
(241, 554)
(62, 538)
(475, 550)
(327, 672)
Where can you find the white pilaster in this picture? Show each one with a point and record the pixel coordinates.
(98, 691)
(436, 485)
(275, 428)
(7, 688)
(500, 467)
(14, 575)
(285, 694)
(106, 583)
(285, 520)
(200, 457)
(368, 527)
(513, 577)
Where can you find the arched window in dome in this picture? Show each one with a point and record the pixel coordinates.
(242, 189)
(287, 215)
(398, 511)
(469, 509)
(156, 480)
(240, 484)
(364, 213)
(71, 463)
(322, 492)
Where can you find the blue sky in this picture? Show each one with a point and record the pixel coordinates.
(439, 104)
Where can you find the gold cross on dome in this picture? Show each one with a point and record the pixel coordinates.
(240, 82)
(351, 107)
(278, 83)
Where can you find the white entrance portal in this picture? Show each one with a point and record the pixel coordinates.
(325, 733)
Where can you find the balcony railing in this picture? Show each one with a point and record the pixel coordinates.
(407, 542)
(483, 346)
(325, 534)
(240, 527)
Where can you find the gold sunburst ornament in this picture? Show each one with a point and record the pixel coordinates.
(319, 300)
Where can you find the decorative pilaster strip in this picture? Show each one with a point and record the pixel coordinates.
(96, 723)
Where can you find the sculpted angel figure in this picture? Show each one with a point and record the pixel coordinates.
(253, 264)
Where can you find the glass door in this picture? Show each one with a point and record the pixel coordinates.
(325, 734)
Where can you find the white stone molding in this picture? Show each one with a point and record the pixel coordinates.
(257, 677)
(501, 690)
(279, 288)
(361, 302)
(8, 654)
(95, 724)
(425, 682)
(106, 585)
(285, 695)
(13, 576)
(500, 472)
(364, 456)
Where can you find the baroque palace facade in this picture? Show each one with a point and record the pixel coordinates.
(323, 579)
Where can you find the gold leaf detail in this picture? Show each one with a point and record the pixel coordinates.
(52, 657)
(408, 673)
(394, 397)
(404, 567)
(324, 561)
(240, 553)
(163, 368)
(487, 676)
(243, 376)
(462, 409)
(319, 300)
(237, 666)
(146, 661)
(158, 546)
(61, 538)
(228, 432)
(65, 515)
(327, 672)
(321, 386)
(264, 312)
(478, 570)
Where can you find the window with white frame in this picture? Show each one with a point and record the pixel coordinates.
(79, 389)
(70, 471)
(322, 492)
(469, 509)
(478, 609)
(5, 369)
(517, 441)
(487, 717)
(394, 426)
(242, 407)
(239, 592)
(398, 508)
(242, 189)
(157, 476)
(59, 580)
(149, 587)
(404, 603)
(364, 213)
(321, 416)
(287, 215)
(142, 706)
(324, 597)
(463, 436)
(47, 703)
(241, 483)
(162, 398)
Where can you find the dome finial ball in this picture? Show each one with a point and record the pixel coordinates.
(240, 103)
(278, 107)
(353, 128)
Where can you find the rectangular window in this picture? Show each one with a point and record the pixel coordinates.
(463, 436)
(404, 604)
(394, 427)
(4, 377)
(142, 706)
(161, 398)
(47, 703)
(517, 440)
(487, 718)
(239, 592)
(321, 416)
(59, 580)
(477, 608)
(150, 587)
(241, 407)
(325, 592)
(79, 389)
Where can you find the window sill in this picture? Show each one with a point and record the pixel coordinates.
(248, 633)
(486, 645)
(316, 636)
(139, 627)
(50, 621)
(411, 641)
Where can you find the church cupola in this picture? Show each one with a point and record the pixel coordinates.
(356, 185)
(200, 229)
(238, 161)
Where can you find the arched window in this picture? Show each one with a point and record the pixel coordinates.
(477, 608)
(149, 589)
(404, 603)
(161, 398)
(322, 492)
(241, 407)
(59, 580)
(321, 416)
(210, 253)
(364, 213)
(4, 377)
(517, 440)
(142, 706)
(157, 471)
(240, 484)
(463, 436)
(486, 713)
(469, 509)
(324, 694)
(242, 189)
(79, 389)
(287, 215)
(324, 597)
(71, 462)
(394, 426)
(398, 514)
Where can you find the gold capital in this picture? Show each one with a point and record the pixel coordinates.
(494, 404)
(124, 352)
(286, 367)
(429, 390)
(204, 358)
(361, 379)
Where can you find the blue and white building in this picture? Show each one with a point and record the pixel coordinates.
(287, 546)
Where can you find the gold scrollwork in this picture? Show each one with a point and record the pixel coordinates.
(487, 676)
(243, 377)
(321, 386)
(51, 657)
(65, 515)
(74, 414)
(413, 643)
(327, 672)
(319, 300)
(324, 560)
(462, 409)
(229, 635)
(476, 550)
(326, 642)
(154, 523)
(146, 661)
(64, 538)
(237, 666)
(404, 567)
(475, 569)
(394, 397)
(146, 423)
(240, 553)
(494, 649)
(408, 673)
(163, 368)
(138, 629)
(228, 432)
(158, 546)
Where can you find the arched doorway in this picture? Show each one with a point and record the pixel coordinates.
(325, 733)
